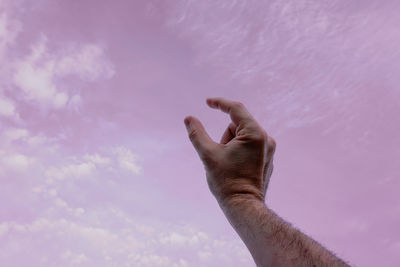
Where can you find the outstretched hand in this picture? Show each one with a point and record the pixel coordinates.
(242, 163)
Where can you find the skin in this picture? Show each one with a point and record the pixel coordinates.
(238, 170)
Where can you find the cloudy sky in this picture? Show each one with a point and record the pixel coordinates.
(96, 168)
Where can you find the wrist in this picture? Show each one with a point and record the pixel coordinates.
(237, 190)
(240, 201)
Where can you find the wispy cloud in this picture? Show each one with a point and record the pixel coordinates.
(69, 171)
(38, 73)
(291, 56)
(127, 160)
(7, 107)
(14, 161)
(10, 28)
(127, 245)
(11, 134)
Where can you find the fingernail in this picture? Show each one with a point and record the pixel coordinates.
(187, 122)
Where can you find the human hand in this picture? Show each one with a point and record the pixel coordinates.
(242, 163)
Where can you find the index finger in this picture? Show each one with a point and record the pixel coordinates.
(238, 112)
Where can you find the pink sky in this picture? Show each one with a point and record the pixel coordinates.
(96, 168)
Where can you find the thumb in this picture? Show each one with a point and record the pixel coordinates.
(198, 136)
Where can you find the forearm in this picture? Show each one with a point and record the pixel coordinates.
(272, 241)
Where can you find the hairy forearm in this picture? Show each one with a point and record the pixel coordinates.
(271, 240)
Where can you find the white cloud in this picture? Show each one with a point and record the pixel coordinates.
(15, 133)
(38, 73)
(124, 246)
(38, 189)
(15, 161)
(127, 160)
(60, 100)
(97, 159)
(75, 102)
(86, 61)
(142, 228)
(79, 211)
(152, 260)
(336, 75)
(53, 192)
(60, 203)
(74, 258)
(3, 26)
(75, 167)
(9, 30)
(189, 238)
(37, 81)
(3, 229)
(204, 255)
(174, 239)
(36, 140)
(7, 108)
(46, 144)
(180, 263)
(94, 234)
(82, 169)
(69, 171)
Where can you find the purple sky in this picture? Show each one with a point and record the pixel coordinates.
(96, 168)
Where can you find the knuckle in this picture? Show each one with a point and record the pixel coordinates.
(192, 134)
(272, 143)
(260, 137)
(238, 104)
(265, 135)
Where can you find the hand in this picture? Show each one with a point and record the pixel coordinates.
(242, 163)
